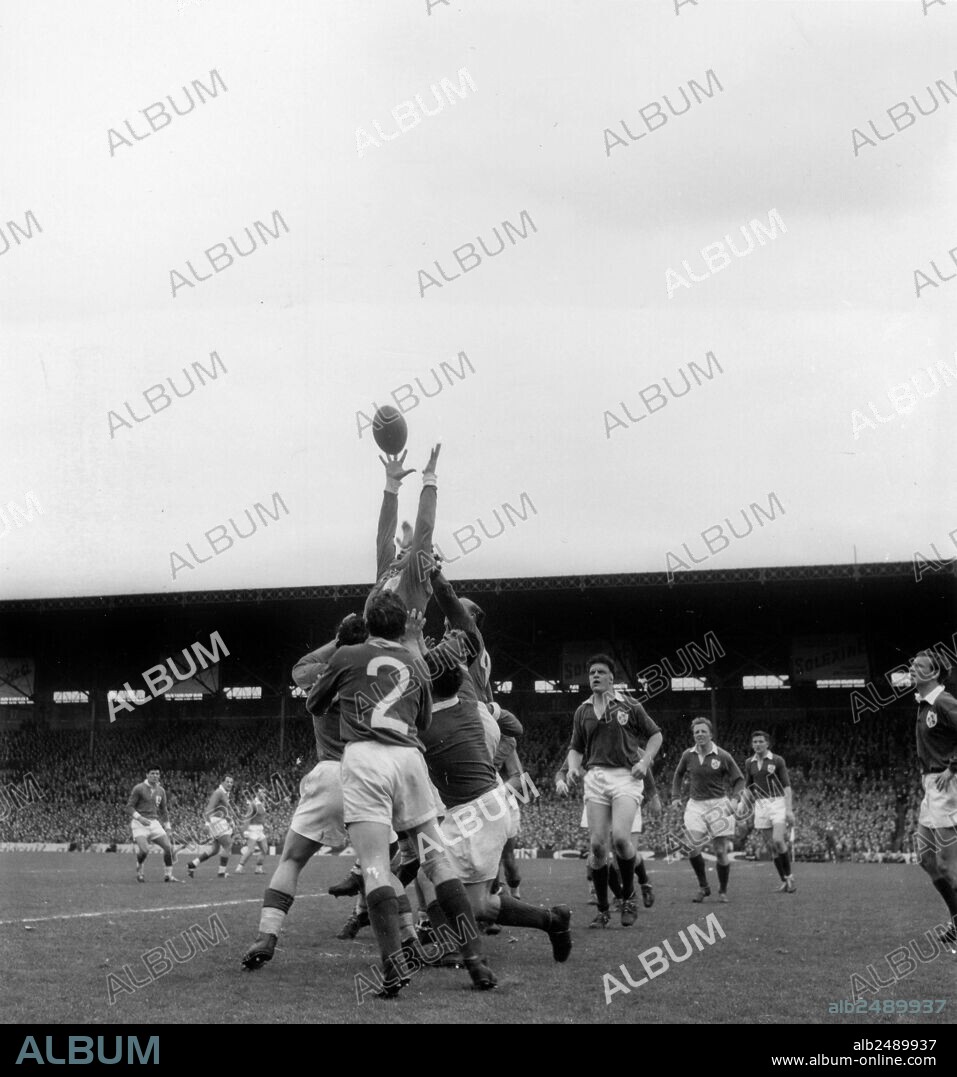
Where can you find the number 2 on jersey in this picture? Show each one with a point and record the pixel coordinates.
(380, 718)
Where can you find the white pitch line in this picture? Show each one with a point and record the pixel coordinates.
(123, 912)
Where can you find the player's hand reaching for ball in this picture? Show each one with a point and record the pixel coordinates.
(395, 471)
(428, 475)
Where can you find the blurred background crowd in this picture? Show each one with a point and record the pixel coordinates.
(855, 797)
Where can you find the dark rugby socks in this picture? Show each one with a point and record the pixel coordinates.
(520, 914)
(697, 862)
(384, 917)
(724, 872)
(627, 869)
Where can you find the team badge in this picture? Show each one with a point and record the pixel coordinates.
(623, 717)
(715, 763)
(158, 799)
(931, 719)
(771, 768)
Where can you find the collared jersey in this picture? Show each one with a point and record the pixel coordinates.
(767, 777)
(382, 696)
(710, 776)
(149, 801)
(611, 740)
(937, 731)
(456, 753)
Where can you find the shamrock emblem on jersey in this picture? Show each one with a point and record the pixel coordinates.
(715, 763)
(931, 719)
(158, 798)
(622, 716)
(771, 768)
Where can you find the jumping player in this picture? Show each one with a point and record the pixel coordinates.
(766, 781)
(936, 838)
(219, 825)
(399, 566)
(709, 813)
(604, 739)
(150, 823)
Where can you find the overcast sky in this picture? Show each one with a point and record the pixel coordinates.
(562, 327)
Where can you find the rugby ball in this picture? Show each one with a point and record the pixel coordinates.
(389, 430)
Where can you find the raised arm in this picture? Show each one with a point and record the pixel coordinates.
(395, 472)
(425, 517)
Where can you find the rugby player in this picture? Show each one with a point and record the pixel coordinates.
(398, 565)
(653, 800)
(220, 828)
(709, 813)
(317, 820)
(149, 822)
(766, 780)
(605, 735)
(478, 820)
(385, 703)
(936, 838)
(255, 835)
(508, 766)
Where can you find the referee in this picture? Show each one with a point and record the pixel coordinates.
(936, 839)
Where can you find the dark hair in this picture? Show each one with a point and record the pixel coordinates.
(352, 629)
(761, 733)
(386, 615)
(226, 778)
(447, 681)
(699, 721)
(940, 663)
(604, 660)
(478, 614)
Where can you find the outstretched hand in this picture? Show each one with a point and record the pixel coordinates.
(429, 472)
(395, 469)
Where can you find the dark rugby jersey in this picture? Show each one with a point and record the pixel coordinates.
(767, 777)
(257, 813)
(218, 803)
(612, 740)
(710, 777)
(149, 801)
(455, 752)
(381, 694)
(325, 726)
(937, 731)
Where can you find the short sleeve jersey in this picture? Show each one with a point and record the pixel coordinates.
(612, 740)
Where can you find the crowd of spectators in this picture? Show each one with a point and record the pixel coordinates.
(856, 787)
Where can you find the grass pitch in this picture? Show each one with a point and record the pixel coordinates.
(69, 920)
